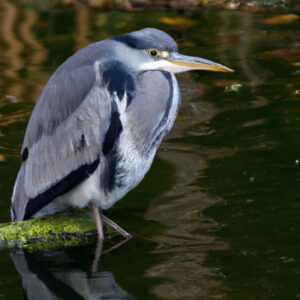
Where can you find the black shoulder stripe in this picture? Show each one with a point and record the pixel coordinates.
(110, 151)
(119, 79)
(62, 187)
(113, 132)
(110, 171)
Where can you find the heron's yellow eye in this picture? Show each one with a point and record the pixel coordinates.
(153, 52)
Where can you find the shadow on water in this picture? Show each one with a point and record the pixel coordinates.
(217, 215)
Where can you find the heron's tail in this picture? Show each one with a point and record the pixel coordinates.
(19, 198)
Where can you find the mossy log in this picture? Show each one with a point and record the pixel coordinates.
(61, 230)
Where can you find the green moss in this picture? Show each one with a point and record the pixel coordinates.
(67, 229)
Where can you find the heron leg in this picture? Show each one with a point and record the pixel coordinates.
(117, 228)
(98, 218)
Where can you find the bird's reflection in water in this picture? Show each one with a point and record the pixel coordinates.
(58, 276)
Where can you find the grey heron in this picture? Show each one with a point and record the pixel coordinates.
(98, 123)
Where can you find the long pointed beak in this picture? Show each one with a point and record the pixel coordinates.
(182, 63)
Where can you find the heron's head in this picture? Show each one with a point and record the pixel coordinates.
(151, 49)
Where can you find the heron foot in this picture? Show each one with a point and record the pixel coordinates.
(117, 228)
(100, 218)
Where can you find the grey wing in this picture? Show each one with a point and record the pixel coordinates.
(63, 139)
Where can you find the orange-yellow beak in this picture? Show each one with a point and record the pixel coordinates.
(182, 63)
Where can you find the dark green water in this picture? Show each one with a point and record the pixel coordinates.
(217, 217)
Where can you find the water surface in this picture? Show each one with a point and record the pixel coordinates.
(217, 217)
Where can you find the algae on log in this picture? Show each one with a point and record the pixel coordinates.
(66, 229)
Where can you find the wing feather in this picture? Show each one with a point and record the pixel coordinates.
(54, 156)
(64, 135)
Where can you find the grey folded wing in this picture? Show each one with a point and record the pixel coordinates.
(64, 138)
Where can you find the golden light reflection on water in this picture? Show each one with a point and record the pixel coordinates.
(180, 210)
(187, 235)
(21, 52)
(11, 56)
